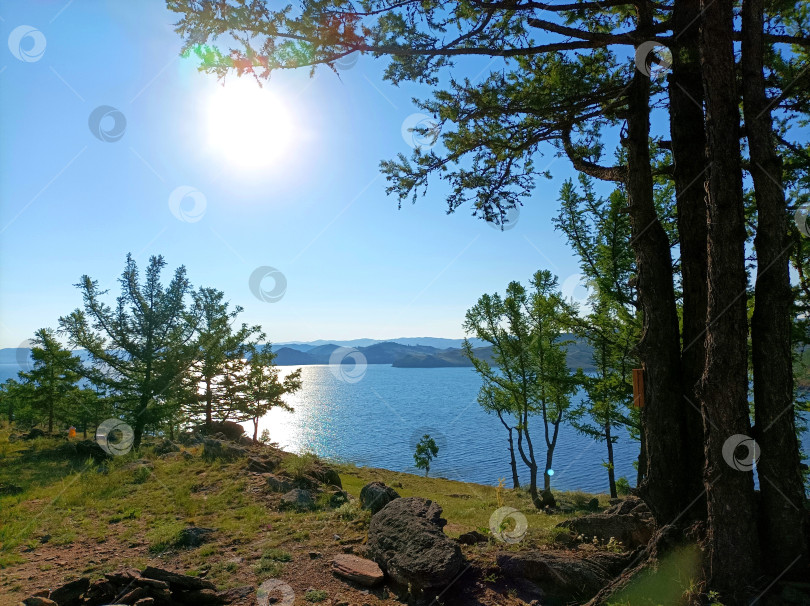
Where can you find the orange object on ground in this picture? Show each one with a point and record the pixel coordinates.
(72, 432)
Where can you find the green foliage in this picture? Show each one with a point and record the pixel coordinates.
(301, 466)
(316, 595)
(529, 375)
(623, 486)
(426, 451)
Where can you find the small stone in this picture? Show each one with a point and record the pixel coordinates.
(38, 601)
(314, 555)
(298, 499)
(362, 571)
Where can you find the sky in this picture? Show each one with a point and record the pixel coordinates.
(114, 144)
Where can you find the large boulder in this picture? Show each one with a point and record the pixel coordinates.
(165, 447)
(89, 449)
(564, 578)
(629, 522)
(70, 594)
(231, 430)
(357, 569)
(406, 539)
(376, 495)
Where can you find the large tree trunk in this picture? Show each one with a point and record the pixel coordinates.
(781, 517)
(732, 539)
(663, 487)
(688, 141)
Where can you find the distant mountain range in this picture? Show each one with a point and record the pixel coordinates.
(409, 352)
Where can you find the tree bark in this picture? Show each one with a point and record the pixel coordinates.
(512, 460)
(732, 540)
(782, 520)
(688, 139)
(663, 488)
(611, 470)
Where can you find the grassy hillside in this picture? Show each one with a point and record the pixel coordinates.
(75, 518)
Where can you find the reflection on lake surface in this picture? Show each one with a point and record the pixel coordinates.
(378, 420)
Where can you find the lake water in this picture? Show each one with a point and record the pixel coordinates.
(377, 420)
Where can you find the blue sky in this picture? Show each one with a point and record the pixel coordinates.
(355, 266)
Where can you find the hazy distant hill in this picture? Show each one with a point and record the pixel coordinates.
(412, 352)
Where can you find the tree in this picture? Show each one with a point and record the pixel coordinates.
(216, 344)
(15, 399)
(262, 390)
(529, 374)
(426, 451)
(494, 399)
(54, 379)
(141, 347)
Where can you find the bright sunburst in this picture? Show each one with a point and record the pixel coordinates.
(249, 126)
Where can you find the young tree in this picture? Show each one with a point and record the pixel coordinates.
(426, 451)
(263, 390)
(15, 400)
(216, 345)
(493, 399)
(54, 379)
(140, 348)
(530, 370)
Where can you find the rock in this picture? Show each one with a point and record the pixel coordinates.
(237, 594)
(361, 571)
(298, 499)
(38, 601)
(261, 464)
(406, 539)
(471, 538)
(202, 597)
(546, 500)
(138, 464)
(174, 456)
(632, 529)
(88, 449)
(245, 441)
(193, 536)
(71, 593)
(34, 434)
(564, 578)
(327, 475)
(177, 581)
(132, 596)
(165, 447)
(229, 430)
(629, 505)
(220, 449)
(593, 504)
(277, 484)
(338, 497)
(145, 602)
(314, 555)
(376, 495)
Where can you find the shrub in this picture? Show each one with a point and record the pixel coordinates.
(622, 486)
(316, 595)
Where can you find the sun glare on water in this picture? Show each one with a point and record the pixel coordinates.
(248, 125)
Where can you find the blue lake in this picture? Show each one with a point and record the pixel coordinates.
(377, 420)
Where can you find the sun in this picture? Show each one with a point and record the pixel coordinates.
(249, 125)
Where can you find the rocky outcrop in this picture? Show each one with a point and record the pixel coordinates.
(356, 569)
(406, 539)
(629, 522)
(165, 447)
(150, 587)
(376, 495)
(563, 577)
(221, 449)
